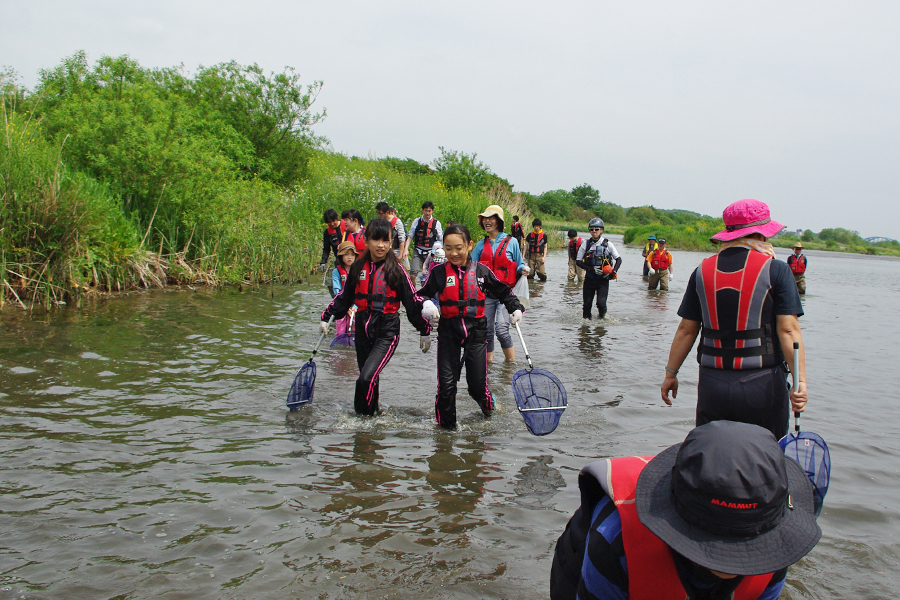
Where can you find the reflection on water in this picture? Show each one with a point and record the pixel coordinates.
(147, 452)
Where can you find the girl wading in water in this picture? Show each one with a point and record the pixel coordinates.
(462, 286)
(377, 285)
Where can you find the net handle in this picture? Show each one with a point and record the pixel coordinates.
(321, 337)
(525, 348)
(795, 383)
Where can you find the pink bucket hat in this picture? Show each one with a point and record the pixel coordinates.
(745, 217)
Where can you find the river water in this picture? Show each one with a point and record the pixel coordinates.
(147, 453)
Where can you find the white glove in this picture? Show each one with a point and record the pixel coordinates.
(323, 325)
(323, 267)
(515, 317)
(598, 270)
(671, 276)
(430, 311)
(425, 342)
(651, 271)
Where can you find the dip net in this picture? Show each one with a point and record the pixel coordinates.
(540, 398)
(302, 389)
(811, 451)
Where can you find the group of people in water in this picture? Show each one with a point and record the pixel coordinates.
(721, 515)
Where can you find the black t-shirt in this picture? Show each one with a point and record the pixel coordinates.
(785, 298)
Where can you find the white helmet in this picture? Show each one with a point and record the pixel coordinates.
(438, 255)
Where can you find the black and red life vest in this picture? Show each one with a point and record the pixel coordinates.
(660, 260)
(651, 569)
(498, 262)
(342, 270)
(372, 291)
(738, 322)
(534, 242)
(461, 295)
(358, 239)
(517, 231)
(427, 235)
(797, 263)
(574, 245)
(336, 236)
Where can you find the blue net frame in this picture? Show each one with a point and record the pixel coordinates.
(811, 451)
(302, 389)
(540, 398)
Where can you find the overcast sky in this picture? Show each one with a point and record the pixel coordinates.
(676, 104)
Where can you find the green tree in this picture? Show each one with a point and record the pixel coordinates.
(585, 196)
(556, 202)
(409, 166)
(808, 236)
(641, 215)
(464, 171)
(610, 213)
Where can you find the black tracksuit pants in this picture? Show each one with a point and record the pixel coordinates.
(756, 396)
(377, 336)
(461, 342)
(598, 286)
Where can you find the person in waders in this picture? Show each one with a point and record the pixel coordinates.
(744, 305)
(576, 273)
(462, 286)
(797, 263)
(660, 263)
(335, 233)
(377, 285)
(720, 516)
(649, 247)
(536, 241)
(500, 253)
(600, 261)
(517, 232)
(423, 233)
(356, 231)
(346, 256)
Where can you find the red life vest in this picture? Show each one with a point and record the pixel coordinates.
(797, 264)
(358, 239)
(534, 242)
(395, 240)
(517, 231)
(651, 569)
(336, 236)
(498, 261)
(343, 271)
(425, 236)
(462, 298)
(738, 320)
(372, 291)
(660, 260)
(574, 245)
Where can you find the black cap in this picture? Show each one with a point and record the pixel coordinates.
(728, 499)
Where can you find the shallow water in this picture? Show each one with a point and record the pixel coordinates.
(146, 451)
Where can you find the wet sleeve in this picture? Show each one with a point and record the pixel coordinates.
(413, 304)
(785, 297)
(326, 247)
(690, 304)
(341, 303)
(496, 289)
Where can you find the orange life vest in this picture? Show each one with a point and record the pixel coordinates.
(651, 569)
(660, 260)
(797, 264)
(498, 262)
(372, 291)
(461, 298)
(574, 245)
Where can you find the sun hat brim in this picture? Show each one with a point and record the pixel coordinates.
(490, 213)
(347, 249)
(767, 230)
(785, 544)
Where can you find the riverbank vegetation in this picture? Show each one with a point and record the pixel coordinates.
(115, 176)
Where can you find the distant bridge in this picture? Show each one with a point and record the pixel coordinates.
(875, 240)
